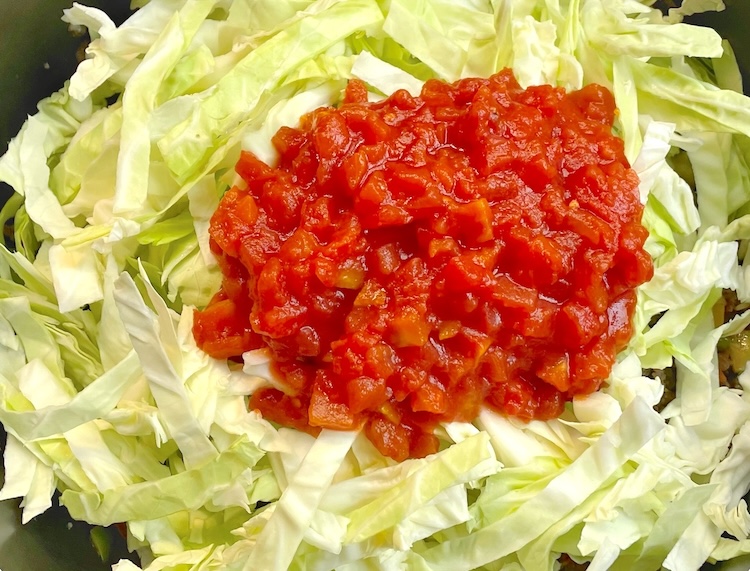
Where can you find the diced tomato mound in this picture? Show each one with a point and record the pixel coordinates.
(410, 260)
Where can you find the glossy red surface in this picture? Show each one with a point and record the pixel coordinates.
(411, 259)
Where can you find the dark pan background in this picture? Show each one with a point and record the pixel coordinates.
(37, 55)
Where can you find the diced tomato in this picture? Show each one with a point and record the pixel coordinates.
(390, 438)
(412, 260)
(223, 331)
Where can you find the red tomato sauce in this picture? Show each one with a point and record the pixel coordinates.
(411, 260)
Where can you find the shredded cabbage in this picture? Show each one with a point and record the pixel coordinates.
(106, 397)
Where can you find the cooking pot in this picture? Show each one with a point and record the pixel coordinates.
(37, 54)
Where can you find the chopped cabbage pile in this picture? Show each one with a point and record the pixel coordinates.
(106, 398)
